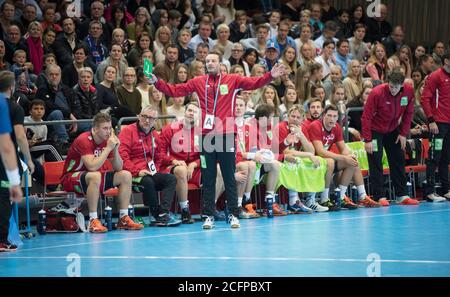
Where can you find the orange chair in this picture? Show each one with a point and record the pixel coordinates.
(53, 172)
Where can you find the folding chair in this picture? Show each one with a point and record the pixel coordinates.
(53, 172)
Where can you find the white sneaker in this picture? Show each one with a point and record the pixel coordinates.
(209, 223)
(234, 222)
(435, 198)
(245, 215)
(447, 196)
(318, 208)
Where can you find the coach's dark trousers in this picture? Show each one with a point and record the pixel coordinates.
(438, 156)
(219, 148)
(396, 161)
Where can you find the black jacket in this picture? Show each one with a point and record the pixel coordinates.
(376, 31)
(88, 102)
(63, 50)
(48, 94)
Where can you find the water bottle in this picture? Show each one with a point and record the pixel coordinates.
(226, 212)
(409, 188)
(131, 211)
(337, 197)
(108, 217)
(42, 218)
(355, 196)
(269, 205)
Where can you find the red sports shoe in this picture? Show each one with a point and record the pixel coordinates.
(95, 226)
(368, 202)
(383, 202)
(127, 223)
(409, 201)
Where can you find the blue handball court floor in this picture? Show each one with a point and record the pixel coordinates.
(391, 241)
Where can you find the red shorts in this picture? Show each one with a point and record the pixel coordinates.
(196, 178)
(76, 182)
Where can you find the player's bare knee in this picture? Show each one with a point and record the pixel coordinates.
(251, 166)
(124, 177)
(93, 179)
(180, 172)
(330, 164)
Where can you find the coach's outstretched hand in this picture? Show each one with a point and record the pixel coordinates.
(278, 70)
(152, 79)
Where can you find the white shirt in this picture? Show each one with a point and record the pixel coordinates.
(325, 64)
(40, 131)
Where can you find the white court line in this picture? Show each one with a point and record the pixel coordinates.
(226, 229)
(447, 262)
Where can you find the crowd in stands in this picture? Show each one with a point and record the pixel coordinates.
(71, 68)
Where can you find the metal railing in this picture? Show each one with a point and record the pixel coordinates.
(346, 135)
(59, 122)
(132, 119)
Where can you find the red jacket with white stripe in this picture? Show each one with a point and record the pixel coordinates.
(383, 113)
(207, 86)
(136, 148)
(436, 97)
(176, 142)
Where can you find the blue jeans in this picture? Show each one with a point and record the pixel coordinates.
(83, 127)
(58, 130)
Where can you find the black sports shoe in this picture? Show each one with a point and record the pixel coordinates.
(331, 205)
(166, 220)
(218, 216)
(186, 217)
(7, 247)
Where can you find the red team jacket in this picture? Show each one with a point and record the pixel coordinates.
(133, 143)
(436, 97)
(280, 133)
(226, 88)
(176, 143)
(383, 113)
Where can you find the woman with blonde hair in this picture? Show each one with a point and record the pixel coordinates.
(353, 83)
(270, 96)
(223, 39)
(196, 68)
(162, 39)
(35, 48)
(289, 58)
(403, 59)
(307, 54)
(237, 69)
(377, 64)
(305, 38)
(289, 99)
(302, 84)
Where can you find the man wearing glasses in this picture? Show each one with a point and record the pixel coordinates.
(138, 150)
(385, 124)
